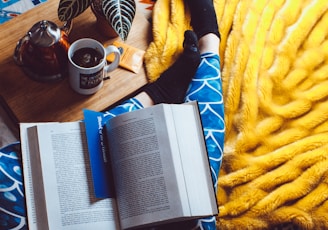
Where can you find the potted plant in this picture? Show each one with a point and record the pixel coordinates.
(118, 13)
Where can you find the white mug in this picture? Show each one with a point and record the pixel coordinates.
(88, 80)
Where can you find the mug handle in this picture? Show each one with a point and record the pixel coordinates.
(112, 49)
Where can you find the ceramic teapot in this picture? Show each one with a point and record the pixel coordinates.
(42, 52)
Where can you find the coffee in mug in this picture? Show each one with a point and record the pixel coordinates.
(88, 65)
(87, 57)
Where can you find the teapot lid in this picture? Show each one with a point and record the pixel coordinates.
(44, 33)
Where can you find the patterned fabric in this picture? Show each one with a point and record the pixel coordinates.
(205, 88)
(12, 203)
(12, 8)
(127, 106)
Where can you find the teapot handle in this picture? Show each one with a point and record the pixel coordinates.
(18, 50)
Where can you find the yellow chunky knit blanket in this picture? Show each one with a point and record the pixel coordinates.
(274, 57)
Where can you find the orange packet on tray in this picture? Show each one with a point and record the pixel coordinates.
(131, 57)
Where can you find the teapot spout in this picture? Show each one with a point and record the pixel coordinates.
(67, 27)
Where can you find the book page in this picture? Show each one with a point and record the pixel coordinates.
(146, 179)
(69, 200)
(37, 180)
(194, 159)
(27, 174)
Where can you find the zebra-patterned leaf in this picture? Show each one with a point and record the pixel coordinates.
(69, 9)
(120, 14)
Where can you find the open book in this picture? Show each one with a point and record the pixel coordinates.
(158, 170)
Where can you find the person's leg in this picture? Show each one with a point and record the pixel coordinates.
(206, 88)
(207, 44)
(203, 17)
(172, 85)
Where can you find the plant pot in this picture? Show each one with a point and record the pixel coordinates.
(103, 25)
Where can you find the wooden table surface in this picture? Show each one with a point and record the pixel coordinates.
(33, 101)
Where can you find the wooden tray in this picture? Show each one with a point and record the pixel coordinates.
(33, 101)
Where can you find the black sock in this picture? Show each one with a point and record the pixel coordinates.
(172, 85)
(203, 17)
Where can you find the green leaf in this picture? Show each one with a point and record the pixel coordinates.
(120, 14)
(69, 9)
